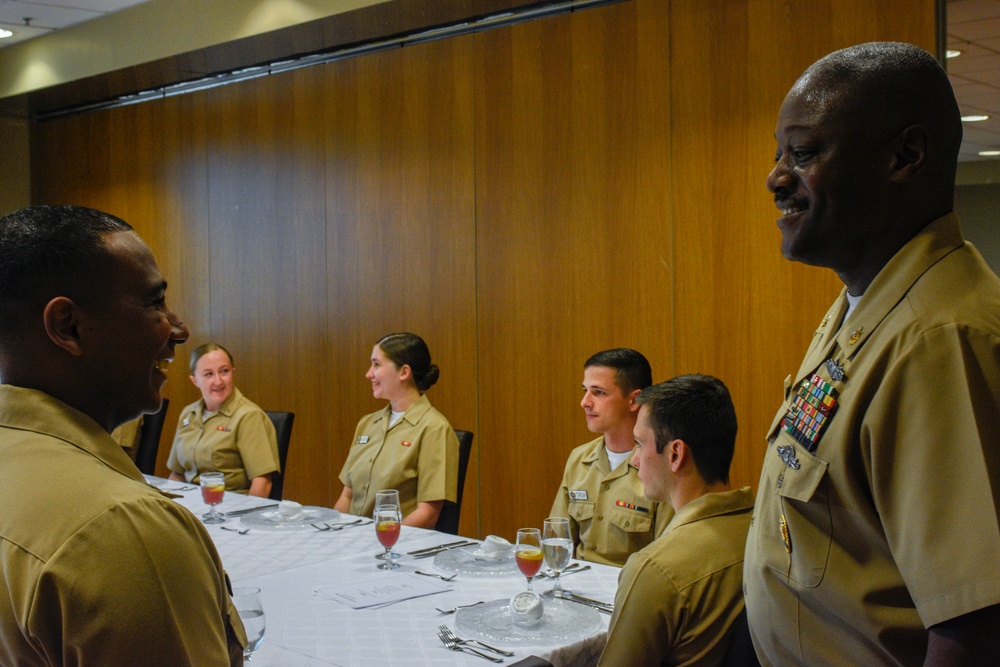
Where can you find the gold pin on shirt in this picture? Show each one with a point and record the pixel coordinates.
(855, 335)
(784, 534)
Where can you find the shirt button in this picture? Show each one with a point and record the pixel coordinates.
(600, 517)
(607, 486)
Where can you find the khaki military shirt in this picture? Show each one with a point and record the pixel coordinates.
(417, 456)
(679, 596)
(99, 568)
(609, 515)
(127, 435)
(238, 441)
(890, 524)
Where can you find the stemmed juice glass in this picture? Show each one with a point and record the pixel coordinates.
(251, 611)
(557, 546)
(388, 497)
(213, 488)
(528, 552)
(387, 522)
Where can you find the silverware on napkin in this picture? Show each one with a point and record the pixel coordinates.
(250, 510)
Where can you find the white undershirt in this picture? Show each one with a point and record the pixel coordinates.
(616, 458)
(852, 302)
(395, 417)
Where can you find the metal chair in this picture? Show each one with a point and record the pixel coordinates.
(283, 428)
(149, 439)
(448, 519)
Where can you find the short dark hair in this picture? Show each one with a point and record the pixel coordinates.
(632, 370)
(896, 83)
(408, 349)
(200, 351)
(698, 410)
(49, 251)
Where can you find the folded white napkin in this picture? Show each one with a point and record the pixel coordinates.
(290, 510)
(495, 547)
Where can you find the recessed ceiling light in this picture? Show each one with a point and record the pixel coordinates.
(989, 153)
(4, 33)
(973, 119)
(952, 53)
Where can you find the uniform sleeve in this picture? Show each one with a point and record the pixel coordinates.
(645, 621)
(258, 444)
(160, 595)
(437, 465)
(173, 460)
(930, 438)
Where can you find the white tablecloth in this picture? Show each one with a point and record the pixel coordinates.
(306, 628)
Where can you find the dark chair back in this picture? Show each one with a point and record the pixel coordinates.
(740, 652)
(149, 439)
(448, 519)
(283, 428)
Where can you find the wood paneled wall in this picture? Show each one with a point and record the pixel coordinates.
(521, 197)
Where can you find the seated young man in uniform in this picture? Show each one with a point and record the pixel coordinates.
(609, 516)
(677, 598)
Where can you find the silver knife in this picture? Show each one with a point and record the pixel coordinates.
(250, 510)
(437, 551)
(440, 546)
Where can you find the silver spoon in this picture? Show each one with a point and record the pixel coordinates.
(461, 606)
(439, 576)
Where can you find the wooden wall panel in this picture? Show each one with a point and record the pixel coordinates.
(267, 258)
(573, 243)
(743, 312)
(401, 231)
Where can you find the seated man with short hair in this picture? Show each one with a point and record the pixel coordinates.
(678, 597)
(609, 517)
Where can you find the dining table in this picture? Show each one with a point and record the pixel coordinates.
(326, 602)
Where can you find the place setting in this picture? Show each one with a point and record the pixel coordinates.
(529, 618)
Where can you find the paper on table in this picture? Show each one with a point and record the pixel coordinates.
(382, 590)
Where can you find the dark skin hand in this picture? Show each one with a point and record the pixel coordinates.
(972, 640)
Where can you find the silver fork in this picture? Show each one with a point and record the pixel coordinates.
(320, 526)
(341, 526)
(445, 631)
(238, 531)
(453, 645)
(461, 606)
(439, 576)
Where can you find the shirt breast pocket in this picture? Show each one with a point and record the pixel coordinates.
(631, 521)
(802, 506)
(581, 510)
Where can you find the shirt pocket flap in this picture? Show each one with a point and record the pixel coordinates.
(631, 521)
(581, 510)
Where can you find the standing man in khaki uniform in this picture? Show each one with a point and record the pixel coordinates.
(609, 516)
(678, 597)
(876, 538)
(97, 568)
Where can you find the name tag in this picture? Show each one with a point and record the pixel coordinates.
(578, 494)
(363, 439)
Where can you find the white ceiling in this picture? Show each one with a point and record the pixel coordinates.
(973, 29)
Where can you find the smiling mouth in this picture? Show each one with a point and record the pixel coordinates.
(790, 208)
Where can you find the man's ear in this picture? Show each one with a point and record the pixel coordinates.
(62, 319)
(677, 454)
(909, 152)
(633, 407)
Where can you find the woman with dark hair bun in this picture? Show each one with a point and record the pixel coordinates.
(408, 445)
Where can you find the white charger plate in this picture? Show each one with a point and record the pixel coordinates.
(274, 520)
(562, 623)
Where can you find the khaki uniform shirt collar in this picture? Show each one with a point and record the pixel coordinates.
(229, 405)
(598, 455)
(711, 505)
(52, 417)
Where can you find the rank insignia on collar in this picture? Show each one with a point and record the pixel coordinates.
(836, 370)
(787, 454)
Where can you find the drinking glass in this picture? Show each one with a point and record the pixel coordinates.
(387, 521)
(528, 552)
(213, 487)
(387, 497)
(557, 546)
(247, 601)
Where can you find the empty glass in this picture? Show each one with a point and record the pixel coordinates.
(247, 601)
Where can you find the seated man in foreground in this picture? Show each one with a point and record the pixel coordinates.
(609, 517)
(679, 596)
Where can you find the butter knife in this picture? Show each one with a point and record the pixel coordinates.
(436, 552)
(249, 510)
